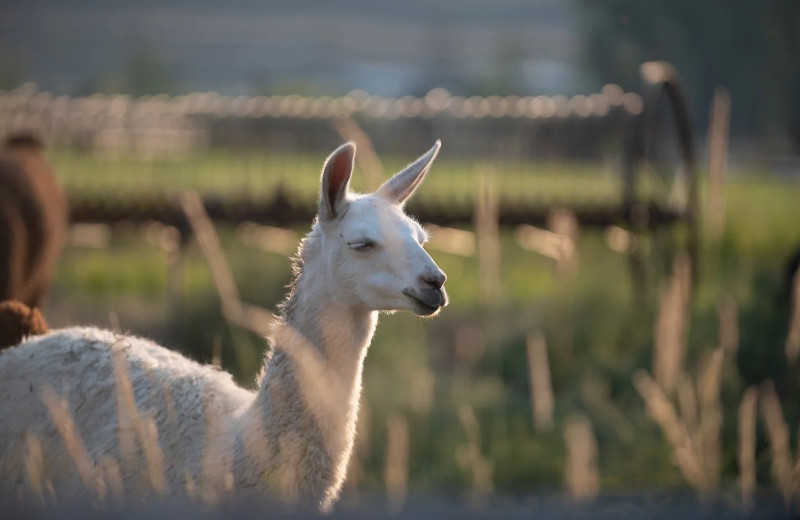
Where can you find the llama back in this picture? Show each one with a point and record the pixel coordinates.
(176, 400)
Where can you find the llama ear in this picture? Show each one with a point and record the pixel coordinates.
(400, 187)
(335, 181)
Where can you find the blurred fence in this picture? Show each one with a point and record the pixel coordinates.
(256, 147)
(473, 127)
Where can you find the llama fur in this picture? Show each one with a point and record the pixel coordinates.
(33, 221)
(293, 436)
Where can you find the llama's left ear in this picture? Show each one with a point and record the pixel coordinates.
(335, 181)
(400, 187)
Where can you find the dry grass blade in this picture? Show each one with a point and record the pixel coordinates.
(221, 272)
(542, 399)
(290, 461)
(355, 467)
(708, 391)
(487, 230)
(718, 129)
(469, 456)
(793, 338)
(395, 473)
(620, 240)
(322, 390)
(113, 477)
(728, 315)
(687, 402)
(422, 387)
(132, 427)
(663, 412)
(671, 326)
(216, 467)
(216, 351)
(778, 435)
(581, 474)
(564, 223)
(367, 159)
(154, 456)
(451, 240)
(246, 316)
(747, 446)
(34, 466)
(547, 243)
(113, 322)
(268, 238)
(62, 419)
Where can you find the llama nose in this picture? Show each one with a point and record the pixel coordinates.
(434, 279)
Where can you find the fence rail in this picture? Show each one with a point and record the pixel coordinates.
(513, 133)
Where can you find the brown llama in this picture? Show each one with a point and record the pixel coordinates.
(33, 220)
(18, 321)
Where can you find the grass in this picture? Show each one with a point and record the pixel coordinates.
(259, 174)
(598, 333)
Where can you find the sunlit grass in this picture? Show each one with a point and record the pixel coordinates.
(258, 174)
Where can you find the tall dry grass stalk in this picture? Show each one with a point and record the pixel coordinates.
(728, 318)
(112, 475)
(564, 223)
(249, 317)
(361, 450)
(216, 351)
(546, 243)
(709, 427)
(371, 166)
(559, 241)
(595, 393)
(783, 469)
(685, 447)
(34, 467)
(469, 457)
(457, 242)
(422, 389)
(268, 238)
(203, 229)
(168, 240)
(793, 338)
(216, 469)
(113, 322)
(58, 409)
(487, 230)
(395, 473)
(620, 240)
(718, 130)
(672, 325)
(581, 474)
(542, 397)
(747, 447)
(133, 427)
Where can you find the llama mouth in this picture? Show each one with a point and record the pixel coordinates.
(429, 307)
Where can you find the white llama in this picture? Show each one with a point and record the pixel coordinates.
(81, 407)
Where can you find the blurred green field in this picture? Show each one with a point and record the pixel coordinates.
(598, 332)
(258, 174)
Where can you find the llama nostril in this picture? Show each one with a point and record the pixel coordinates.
(435, 280)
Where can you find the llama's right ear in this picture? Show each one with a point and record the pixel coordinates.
(335, 181)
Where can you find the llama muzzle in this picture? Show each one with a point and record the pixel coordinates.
(429, 301)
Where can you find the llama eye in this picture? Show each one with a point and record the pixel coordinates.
(362, 245)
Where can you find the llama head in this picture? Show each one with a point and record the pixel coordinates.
(372, 249)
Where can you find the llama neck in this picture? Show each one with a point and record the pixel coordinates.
(307, 401)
